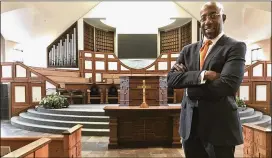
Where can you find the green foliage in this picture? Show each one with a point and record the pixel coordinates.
(240, 102)
(54, 101)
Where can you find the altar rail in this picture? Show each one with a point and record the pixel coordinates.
(256, 86)
(66, 145)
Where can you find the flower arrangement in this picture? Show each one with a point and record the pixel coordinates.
(240, 102)
(54, 101)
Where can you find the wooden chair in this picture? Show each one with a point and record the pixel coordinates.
(171, 95)
(112, 93)
(95, 94)
(77, 96)
(65, 93)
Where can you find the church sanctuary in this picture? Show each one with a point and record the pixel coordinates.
(89, 78)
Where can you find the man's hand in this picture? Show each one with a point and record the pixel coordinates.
(211, 75)
(179, 67)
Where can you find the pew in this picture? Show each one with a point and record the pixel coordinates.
(257, 141)
(38, 148)
(66, 145)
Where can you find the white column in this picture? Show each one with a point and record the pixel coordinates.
(80, 34)
(194, 30)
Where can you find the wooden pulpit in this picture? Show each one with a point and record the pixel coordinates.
(131, 90)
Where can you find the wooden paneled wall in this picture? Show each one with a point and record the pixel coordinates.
(27, 85)
(106, 67)
(259, 71)
(256, 86)
(98, 40)
(174, 40)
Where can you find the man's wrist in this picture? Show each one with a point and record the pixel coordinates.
(205, 75)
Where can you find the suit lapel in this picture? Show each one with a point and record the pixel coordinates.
(197, 54)
(216, 48)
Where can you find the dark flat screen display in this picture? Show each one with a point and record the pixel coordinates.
(137, 46)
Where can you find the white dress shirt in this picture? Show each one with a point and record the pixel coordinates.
(202, 81)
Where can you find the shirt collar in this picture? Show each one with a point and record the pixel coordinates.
(215, 39)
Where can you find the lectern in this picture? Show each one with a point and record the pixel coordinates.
(131, 90)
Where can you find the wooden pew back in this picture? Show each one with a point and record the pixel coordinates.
(38, 148)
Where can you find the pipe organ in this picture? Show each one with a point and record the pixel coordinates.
(63, 51)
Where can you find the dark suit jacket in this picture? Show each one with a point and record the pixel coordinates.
(219, 121)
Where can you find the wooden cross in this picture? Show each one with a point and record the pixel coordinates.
(144, 104)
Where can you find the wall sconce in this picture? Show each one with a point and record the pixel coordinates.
(255, 51)
(20, 50)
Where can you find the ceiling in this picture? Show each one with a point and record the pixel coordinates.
(38, 19)
(247, 21)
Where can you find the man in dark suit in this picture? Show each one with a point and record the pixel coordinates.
(211, 72)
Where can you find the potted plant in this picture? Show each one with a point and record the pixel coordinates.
(241, 103)
(54, 101)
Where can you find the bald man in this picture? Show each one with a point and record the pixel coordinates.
(211, 72)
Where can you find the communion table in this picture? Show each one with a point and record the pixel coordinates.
(132, 126)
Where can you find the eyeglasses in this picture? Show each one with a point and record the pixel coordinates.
(212, 16)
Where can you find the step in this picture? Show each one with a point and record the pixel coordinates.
(34, 113)
(75, 111)
(269, 128)
(90, 106)
(56, 130)
(252, 118)
(264, 122)
(61, 123)
(246, 112)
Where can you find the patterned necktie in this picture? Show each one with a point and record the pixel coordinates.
(203, 52)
